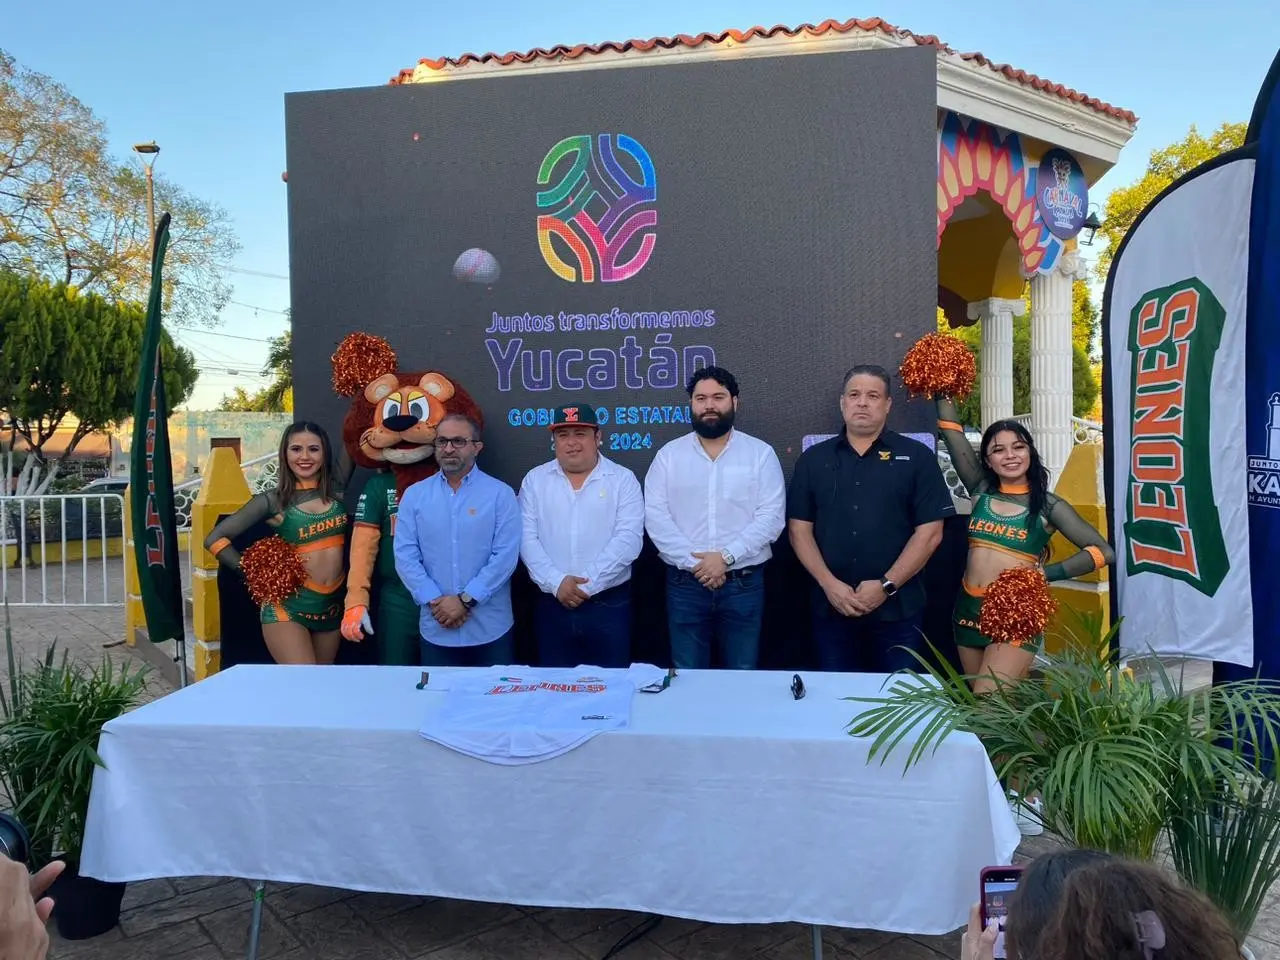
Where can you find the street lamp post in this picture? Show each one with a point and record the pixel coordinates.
(148, 153)
(1091, 225)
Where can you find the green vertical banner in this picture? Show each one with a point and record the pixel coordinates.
(155, 526)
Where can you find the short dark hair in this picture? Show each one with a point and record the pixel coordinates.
(869, 370)
(719, 374)
(462, 418)
(1039, 896)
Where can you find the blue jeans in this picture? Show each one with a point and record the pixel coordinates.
(598, 633)
(856, 645)
(728, 619)
(493, 654)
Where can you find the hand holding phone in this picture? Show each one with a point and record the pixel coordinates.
(977, 943)
(997, 886)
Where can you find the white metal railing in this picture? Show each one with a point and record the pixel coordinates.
(1086, 431)
(68, 549)
(959, 495)
(1082, 430)
(259, 473)
(39, 533)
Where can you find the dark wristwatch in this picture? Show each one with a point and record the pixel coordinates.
(888, 586)
(468, 600)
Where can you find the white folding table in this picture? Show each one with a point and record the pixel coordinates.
(726, 800)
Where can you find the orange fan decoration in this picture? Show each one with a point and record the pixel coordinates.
(939, 365)
(1016, 607)
(273, 571)
(360, 359)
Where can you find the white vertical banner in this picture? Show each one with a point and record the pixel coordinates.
(1174, 346)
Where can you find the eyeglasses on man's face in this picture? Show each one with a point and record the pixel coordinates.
(456, 443)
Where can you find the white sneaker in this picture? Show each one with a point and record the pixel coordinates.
(1028, 814)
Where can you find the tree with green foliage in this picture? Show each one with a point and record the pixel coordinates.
(276, 396)
(1084, 336)
(1163, 168)
(71, 357)
(71, 213)
(240, 400)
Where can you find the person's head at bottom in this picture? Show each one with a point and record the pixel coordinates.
(1124, 910)
(1030, 908)
(1039, 895)
(1089, 905)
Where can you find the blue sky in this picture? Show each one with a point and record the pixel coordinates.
(207, 82)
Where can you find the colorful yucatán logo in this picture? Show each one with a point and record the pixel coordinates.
(604, 218)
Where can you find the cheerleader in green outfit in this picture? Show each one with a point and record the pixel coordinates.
(305, 510)
(1014, 515)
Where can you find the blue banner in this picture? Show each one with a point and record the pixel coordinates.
(1262, 385)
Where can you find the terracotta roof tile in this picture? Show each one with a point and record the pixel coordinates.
(827, 27)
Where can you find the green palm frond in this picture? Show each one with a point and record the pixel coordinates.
(50, 725)
(1113, 756)
(1229, 848)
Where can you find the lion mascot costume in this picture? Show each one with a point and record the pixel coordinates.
(391, 429)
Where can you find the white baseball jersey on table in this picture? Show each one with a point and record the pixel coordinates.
(514, 715)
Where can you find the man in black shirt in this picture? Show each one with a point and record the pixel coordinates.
(865, 513)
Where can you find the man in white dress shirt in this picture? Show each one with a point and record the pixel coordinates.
(715, 501)
(583, 527)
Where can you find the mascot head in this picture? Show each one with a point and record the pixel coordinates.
(394, 414)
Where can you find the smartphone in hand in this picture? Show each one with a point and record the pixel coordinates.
(997, 886)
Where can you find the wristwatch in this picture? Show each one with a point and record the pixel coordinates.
(888, 586)
(467, 599)
(728, 557)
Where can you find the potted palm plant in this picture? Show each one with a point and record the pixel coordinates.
(50, 721)
(1120, 762)
(1229, 847)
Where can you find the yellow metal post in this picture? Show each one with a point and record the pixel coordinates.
(134, 618)
(223, 491)
(1084, 604)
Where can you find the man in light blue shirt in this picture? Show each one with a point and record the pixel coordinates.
(457, 542)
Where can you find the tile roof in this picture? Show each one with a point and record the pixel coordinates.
(826, 28)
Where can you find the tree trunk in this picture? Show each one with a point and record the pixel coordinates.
(51, 471)
(25, 479)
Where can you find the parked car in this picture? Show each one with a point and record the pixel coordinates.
(106, 485)
(90, 513)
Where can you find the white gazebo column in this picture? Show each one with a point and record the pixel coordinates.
(1051, 380)
(996, 318)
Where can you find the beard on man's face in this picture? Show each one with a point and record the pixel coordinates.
(713, 424)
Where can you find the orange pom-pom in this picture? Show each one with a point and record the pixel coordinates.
(360, 359)
(273, 571)
(939, 365)
(1016, 607)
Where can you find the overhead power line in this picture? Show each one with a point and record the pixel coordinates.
(257, 309)
(228, 336)
(252, 273)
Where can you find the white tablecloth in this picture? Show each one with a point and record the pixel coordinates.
(725, 801)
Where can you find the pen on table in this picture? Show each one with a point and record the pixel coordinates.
(597, 716)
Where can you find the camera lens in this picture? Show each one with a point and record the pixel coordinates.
(14, 841)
